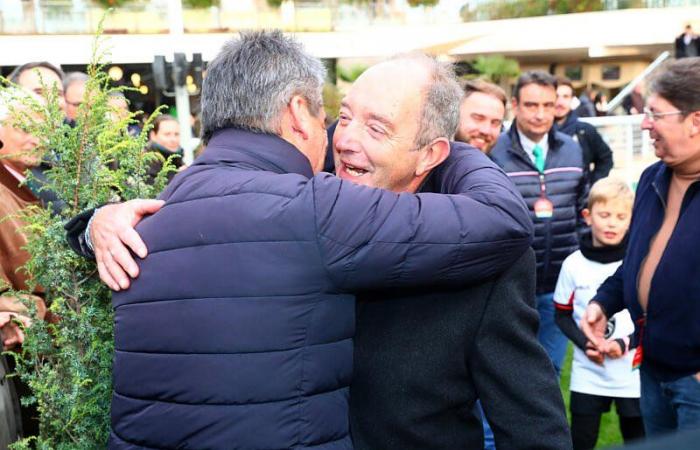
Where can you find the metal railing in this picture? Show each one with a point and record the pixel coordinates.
(631, 147)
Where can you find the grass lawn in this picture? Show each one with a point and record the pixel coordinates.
(609, 426)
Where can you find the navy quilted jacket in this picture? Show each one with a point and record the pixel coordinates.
(238, 332)
(565, 185)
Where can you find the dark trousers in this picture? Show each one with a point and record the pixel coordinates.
(584, 430)
(586, 411)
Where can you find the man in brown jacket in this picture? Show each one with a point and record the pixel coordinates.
(16, 156)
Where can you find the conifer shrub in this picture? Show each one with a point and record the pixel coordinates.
(67, 362)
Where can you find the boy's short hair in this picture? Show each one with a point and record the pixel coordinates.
(610, 188)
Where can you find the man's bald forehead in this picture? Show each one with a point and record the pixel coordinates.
(403, 65)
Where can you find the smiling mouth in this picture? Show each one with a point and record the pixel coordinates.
(354, 171)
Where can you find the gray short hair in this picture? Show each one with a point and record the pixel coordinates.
(679, 83)
(74, 77)
(252, 79)
(442, 97)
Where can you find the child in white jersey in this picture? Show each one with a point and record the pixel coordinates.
(599, 379)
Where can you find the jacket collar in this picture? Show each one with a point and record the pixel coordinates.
(569, 125)
(10, 182)
(517, 148)
(261, 151)
(662, 180)
(154, 146)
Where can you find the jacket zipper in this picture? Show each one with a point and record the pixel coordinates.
(548, 234)
(642, 322)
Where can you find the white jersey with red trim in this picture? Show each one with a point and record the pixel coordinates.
(578, 282)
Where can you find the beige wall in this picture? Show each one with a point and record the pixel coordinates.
(592, 75)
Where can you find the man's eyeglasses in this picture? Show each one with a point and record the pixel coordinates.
(653, 116)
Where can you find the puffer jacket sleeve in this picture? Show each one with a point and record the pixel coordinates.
(371, 238)
(470, 172)
(581, 203)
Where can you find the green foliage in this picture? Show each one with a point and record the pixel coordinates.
(112, 3)
(67, 363)
(200, 3)
(331, 101)
(350, 74)
(274, 3)
(496, 68)
(415, 3)
(509, 9)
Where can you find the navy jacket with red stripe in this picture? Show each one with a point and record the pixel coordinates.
(565, 186)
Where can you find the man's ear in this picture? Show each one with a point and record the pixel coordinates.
(586, 214)
(299, 117)
(695, 123)
(432, 156)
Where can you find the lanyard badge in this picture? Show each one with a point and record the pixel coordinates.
(544, 209)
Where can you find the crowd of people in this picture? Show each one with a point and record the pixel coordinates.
(408, 278)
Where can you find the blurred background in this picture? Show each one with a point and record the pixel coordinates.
(607, 47)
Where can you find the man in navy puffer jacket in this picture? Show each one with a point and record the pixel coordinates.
(238, 331)
(547, 168)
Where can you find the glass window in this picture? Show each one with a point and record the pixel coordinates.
(574, 73)
(611, 72)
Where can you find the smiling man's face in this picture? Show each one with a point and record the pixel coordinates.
(374, 141)
(480, 120)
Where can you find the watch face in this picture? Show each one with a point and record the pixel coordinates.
(610, 328)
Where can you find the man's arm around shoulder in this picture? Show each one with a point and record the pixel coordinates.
(371, 238)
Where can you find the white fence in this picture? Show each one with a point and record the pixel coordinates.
(632, 150)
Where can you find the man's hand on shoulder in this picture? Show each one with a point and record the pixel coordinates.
(112, 234)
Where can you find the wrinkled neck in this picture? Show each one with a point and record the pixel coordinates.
(687, 171)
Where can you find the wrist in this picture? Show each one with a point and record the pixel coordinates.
(88, 238)
(623, 343)
(599, 305)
